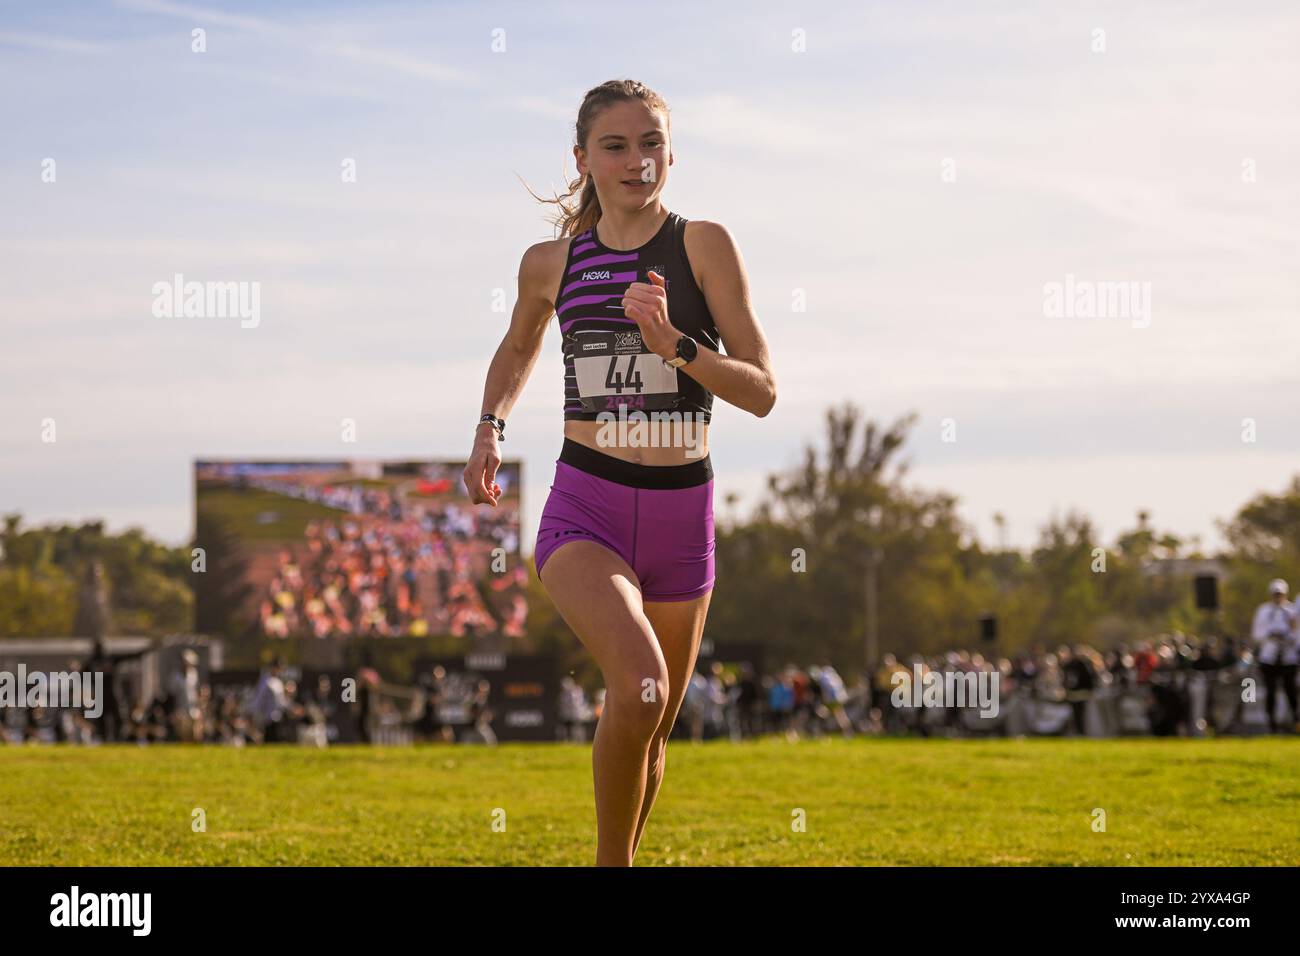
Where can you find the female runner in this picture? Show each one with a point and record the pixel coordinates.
(625, 547)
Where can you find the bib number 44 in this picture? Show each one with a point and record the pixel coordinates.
(623, 373)
(619, 379)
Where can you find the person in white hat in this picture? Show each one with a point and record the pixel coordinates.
(1278, 649)
(187, 714)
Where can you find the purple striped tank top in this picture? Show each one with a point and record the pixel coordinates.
(606, 365)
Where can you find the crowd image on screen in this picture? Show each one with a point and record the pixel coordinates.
(394, 563)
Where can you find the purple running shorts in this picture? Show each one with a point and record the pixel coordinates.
(657, 518)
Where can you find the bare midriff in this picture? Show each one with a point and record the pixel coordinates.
(671, 450)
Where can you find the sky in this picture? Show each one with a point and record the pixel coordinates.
(905, 183)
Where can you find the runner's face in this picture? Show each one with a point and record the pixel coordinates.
(628, 155)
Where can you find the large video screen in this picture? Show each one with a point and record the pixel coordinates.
(361, 548)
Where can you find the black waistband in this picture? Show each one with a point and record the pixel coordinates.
(597, 463)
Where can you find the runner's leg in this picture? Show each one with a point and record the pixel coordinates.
(679, 626)
(598, 596)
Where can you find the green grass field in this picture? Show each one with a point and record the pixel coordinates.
(867, 802)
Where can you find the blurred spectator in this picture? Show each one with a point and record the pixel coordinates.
(183, 687)
(695, 706)
(573, 710)
(480, 714)
(269, 706)
(749, 701)
(835, 696)
(1080, 679)
(1278, 650)
(430, 724)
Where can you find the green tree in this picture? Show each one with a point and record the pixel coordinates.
(843, 507)
(1264, 543)
(221, 590)
(43, 571)
(36, 602)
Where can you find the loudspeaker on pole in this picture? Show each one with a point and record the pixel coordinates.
(988, 628)
(1207, 592)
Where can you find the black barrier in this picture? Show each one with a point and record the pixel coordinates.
(523, 694)
(340, 719)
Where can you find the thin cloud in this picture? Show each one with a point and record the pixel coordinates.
(52, 44)
(397, 62)
(207, 14)
(295, 35)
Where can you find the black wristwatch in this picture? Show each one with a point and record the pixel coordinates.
(498, 423)
(686, 352)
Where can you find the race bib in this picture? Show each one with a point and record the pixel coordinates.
(615, 369)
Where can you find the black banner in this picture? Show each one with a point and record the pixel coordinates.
(930, 906)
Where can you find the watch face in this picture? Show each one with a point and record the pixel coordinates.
(686, 348)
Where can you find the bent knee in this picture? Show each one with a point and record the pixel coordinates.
(639, 695)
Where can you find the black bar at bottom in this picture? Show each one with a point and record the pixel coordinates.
(332, 905)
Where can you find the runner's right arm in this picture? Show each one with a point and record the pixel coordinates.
(511, 366)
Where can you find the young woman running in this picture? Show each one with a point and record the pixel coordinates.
(625, 546)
